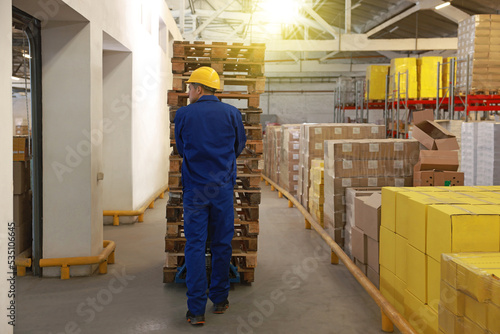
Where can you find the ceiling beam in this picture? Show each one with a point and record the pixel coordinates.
(211, 18)
(359, 42)
(393, 10)
(348, 13)
(451, 13)
(320, 20)
(393, 20)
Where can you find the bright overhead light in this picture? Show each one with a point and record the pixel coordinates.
(26, 55)
(281, 11)
(443, 5)
(394, 29)
(15, 78)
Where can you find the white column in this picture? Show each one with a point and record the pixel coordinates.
(72, 115)
(6, 197)
(348, 16)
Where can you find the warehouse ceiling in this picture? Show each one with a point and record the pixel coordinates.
(330, 31)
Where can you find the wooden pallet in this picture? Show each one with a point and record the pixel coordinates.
(253, 85)
(228, 67)
(250, 116)
(181, 99)
(219, 50)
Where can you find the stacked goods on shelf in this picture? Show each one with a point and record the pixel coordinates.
(481, 153)
(401, 66)
(316, 190)
(237, 65)
(272, 152)
(479, 39)
(363, 163)
(427, 68)
(438, 165)
(312, 137)
(418, 225)
(365, 235)
(22, 205)
(347, 90)
(289, 158)
(376, 75)
(470, 293)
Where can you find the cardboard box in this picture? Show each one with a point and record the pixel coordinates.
(20, 149)
(433, 283)
(452, 299)
(476, 311)
(373, 276)
(416, 277)
(434, 137)
(450, 323)
(401, 258)
(446, 178)
(358, 242)
(22, 177)
(422, 116)
(464, 228)
(369, 219)
(372, 253)
(423, 179)
(440, 160)
(360, 265)
(22, 209)
(387, 283)
(388, 249)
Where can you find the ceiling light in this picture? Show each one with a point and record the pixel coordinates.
(443, 5)
(15, 78)
(394, 29)
(281, 11)
(26, 55)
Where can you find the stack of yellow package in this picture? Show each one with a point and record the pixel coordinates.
(401, 66)
(418, 225)
(428, 76)
(317, 190)
(470, 293)
(376, 77)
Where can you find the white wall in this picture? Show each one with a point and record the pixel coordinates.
(75, 74)
(6, 184)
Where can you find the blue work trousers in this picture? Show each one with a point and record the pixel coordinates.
(208, 212)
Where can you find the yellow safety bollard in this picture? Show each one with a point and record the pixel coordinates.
(116, 220)
(64, 271)
(267, 183)
(280, 194)
(387, 325)
(308, 225)
(272, 188)
(334, 259)
(290, 204)
(152, 205)
(141, 218)
(162, 195)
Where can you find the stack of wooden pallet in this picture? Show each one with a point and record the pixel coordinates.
(241, 70)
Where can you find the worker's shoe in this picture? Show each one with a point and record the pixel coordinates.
(195, 320)
(220, 308)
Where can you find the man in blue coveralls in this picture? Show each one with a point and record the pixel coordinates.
(209, 136)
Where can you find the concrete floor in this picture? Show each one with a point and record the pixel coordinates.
(296, 289)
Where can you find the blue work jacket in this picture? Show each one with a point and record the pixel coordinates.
(210, 136)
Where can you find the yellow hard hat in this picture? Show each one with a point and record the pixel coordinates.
(206, 76)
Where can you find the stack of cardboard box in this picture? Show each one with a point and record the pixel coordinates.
(365, 235)
(363, 163)
(418, 225)
(470, 293)
(481, 153)
(479, 39)
(317, 190)
(272, 149)
(22, 205)
(438, 165)
(312, 138)
(289, 158)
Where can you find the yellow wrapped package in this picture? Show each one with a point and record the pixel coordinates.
(377, 75)
(428, 76)
(401, 65)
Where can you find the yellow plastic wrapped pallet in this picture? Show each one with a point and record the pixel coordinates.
(401, 65)
(446, 74)
(377, 76)
(470, 287)
(428, 76)
(316, 190)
